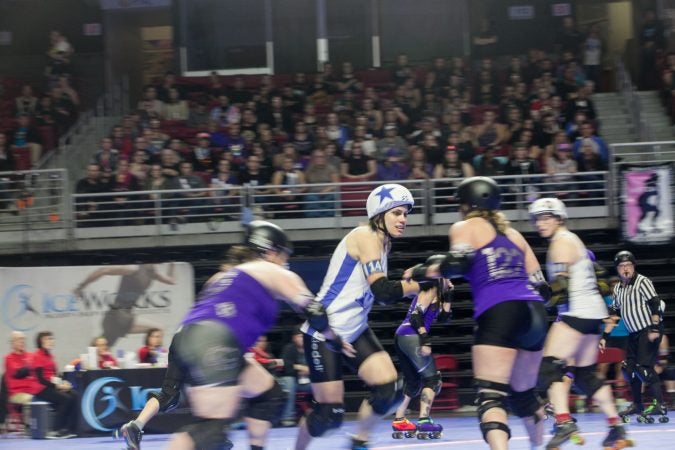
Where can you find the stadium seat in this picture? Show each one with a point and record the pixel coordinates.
(448, 398)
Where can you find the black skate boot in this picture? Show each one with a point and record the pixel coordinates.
(565, 431)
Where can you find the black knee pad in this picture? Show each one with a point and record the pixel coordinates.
(629, 370)
(493, 398)
(412, 389)
(168, 398)
(486, 427)
(552, 370)
(434, 383)
(647, 374)
(526, 403)
(267, 406)
(587, 380)
(325, 417)
(209, 434)
(385, 398)
(490, 400)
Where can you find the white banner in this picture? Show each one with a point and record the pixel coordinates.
(80, 303)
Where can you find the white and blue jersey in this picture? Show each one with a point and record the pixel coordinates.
(346, 294)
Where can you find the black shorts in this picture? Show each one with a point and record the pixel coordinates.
(513, 324)
(208, 354)
(583, 326)
(325, 365)
(413, 366)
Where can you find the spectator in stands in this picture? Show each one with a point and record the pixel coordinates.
(588, 132)
(486, 90)
(169, 159)
(402, 70)
(198, 116)
(124, 182)
(652, 42)
(293, 102)
(581, 102)
(164, 89)
(521, 163)
(58, 392)
(561, 168)
(202, 157)
(391, 141)
(26, 103)
(106, 156)
(374, 116)
(122, 141)
(236, 144)
(453, 171)
(150, 352)
(490, 132)
(568, 39)
(348, 80)
(320, 201)
(64, 108)
(253, 175)
(67, 91)
(392, 167)
(175, 108)
(59, 55)
(592, 54)
(289, 181)
(87, 209)
(464, 146)
(302, 140)
(546, 129)
(278, 117)
(138, 166)
(191, 200)
(485, 42)
(409, 98)
(361, 134)
(489, 164)
(6, 156)
(152, 105)
(249, 121)
(332, 156)
(337, 133)
(21, 382)
(589, 159)
(45, 113)
(420, 168)
(25, 136)
(295, 375)
(225, 113)
(432, 149)
(264, 356)
(357, 166)
(238, 93)
(225, 180)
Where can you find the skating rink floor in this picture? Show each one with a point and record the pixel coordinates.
(460, 433)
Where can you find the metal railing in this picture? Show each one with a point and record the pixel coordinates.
(633, 102)
(308, 212)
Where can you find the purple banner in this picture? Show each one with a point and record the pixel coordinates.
(647, 214)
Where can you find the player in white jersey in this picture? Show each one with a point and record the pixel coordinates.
(572, 342)
(356, 277)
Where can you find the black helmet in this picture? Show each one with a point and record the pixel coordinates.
(263, 236)
(622, 256)
(479, 193)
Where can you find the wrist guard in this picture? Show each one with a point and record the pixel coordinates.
(605, 335)
(316, 316)
(417, 318)
(614, 311)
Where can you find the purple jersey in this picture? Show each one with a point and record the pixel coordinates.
(405, 329)
(498, 274)
(240, 302)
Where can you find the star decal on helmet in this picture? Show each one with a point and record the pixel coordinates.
(384, 192)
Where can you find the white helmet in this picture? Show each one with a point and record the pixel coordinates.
(388, 196)
(548, 205)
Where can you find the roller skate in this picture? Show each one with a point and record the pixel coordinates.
(427, 429)
(565, 431)
(616, 439)
(655, 409)
(549, 411)
(633, 409)
(131, 434)
(403, 428)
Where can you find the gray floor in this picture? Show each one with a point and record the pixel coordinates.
(461, 433)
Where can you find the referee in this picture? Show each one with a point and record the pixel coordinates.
(641, 309)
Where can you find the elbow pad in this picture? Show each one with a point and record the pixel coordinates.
(559, 292)
(455, 264)
(654, 305)
(316, 315)
(417, 318)
(386, 291)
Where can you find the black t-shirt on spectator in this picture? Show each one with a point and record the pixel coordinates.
(357, 165)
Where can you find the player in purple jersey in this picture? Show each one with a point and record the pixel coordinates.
(235, 307)
(508, 293)
(413, 347)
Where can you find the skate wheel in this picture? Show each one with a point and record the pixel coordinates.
(650, 420)
(577, 439)
(409, 434)
(437, 435)
(664, 419)
(625, 419)
(397, 435)
(422, 436)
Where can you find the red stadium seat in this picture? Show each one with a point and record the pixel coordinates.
(21, 158)
(354, 199)
(447, 399)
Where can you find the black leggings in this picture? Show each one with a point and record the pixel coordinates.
(413, 365)
(65, 404)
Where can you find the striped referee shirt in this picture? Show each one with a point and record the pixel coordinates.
(632, 299)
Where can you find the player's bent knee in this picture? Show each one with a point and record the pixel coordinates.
(433, 382)
(526, 403)
(385, 398)
(325, 417)
(587, 380)
(168, 399)
(268, 406)
(209, 434)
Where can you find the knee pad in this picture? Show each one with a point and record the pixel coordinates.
(434, 382)
(168, 398)
(587, 380)
(209, 434)
(385, 398)
(486, 427)
(552, 370)
(629, 370)
(412, 389)
(526, 403)
(493, 398)
(268, 406)
(324, 417)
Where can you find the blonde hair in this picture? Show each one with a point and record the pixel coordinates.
(238, 254)
(496, 218)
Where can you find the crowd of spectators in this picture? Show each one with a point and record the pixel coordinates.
(532, 115)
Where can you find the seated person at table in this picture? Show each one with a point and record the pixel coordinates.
(149, 353)
(21, 384)
(58, 392)
(105, 359)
